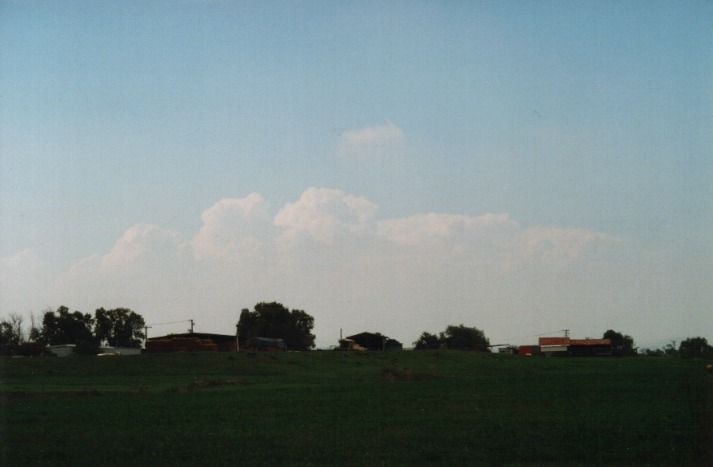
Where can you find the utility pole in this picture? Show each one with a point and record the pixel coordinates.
(176, 322)
(566, 333)
(146, 334)
(237, 337)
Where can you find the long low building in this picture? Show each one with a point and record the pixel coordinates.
(553, 345)
(575, 347)
(67, 350)
(206, 342)
(192, 342)
(266, 344)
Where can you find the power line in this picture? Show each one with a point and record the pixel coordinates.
(171, 322)
(175, 322)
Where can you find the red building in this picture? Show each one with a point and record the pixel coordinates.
(575, 347)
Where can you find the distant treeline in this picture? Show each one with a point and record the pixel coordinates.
(122, 327)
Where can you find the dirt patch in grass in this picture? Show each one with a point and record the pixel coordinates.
(22, 395)
(199, 384)
(395, 374)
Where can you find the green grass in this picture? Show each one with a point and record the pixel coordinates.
(349, 408)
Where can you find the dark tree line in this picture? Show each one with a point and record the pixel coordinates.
(462, 337)
(454, 337)
(274, 320)
(122, 327)
(14, 339)
(119, 327)
(693, 347)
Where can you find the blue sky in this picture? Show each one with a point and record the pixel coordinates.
(392, 166)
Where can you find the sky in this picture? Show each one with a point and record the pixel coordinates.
(518, 166)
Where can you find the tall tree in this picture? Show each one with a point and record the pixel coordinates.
(462, 337)
(454, 337)
(35, 331)
(300, 331)
(63, 327)
(119, 327)
(623, 344)
(695, 347)
(276, 321)
(11, 333)
(428, 341)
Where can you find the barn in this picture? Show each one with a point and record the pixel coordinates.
(575, 347)
(591, 347)
(192, 342)
(553, 345)
(266, 344)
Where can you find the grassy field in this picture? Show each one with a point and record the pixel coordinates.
(349, 408)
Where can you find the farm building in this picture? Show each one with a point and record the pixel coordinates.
(554, 345)
(64, 350)
(508, 349)
(575, 347)
(369, 341)
(591, 347)
(265, 344)
(192, 342)
(349, 344)
(120, 351)
(529, 350)
(67, 350)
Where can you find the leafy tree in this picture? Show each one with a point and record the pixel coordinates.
(63, 327)
(623, 344)
(428, 341)
(461, 337)
(119, 327)
(7, 338)
(276, 321)
(35, 331)
(695, 347)
(454, 337)
(11, 335)
(301, 335)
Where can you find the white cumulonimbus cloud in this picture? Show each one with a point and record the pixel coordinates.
(323, 214)
(434, 227)
(325, 252)
(233, 228)
(146, 265)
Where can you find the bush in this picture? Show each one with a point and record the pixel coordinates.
(32, 349)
